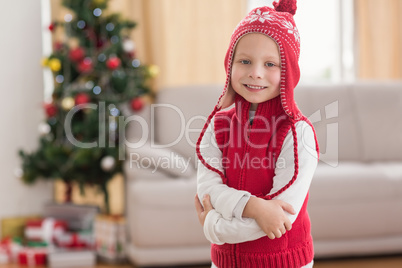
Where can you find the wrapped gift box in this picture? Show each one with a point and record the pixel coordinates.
(46, 229)
(32, 256)
(14, 227)
(76, 240)
(110, 237)
(77, 217)
(71, 258)
(9, 249)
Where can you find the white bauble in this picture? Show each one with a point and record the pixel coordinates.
(128, 45)
(108, 163)
(18, 173)
(43, 129)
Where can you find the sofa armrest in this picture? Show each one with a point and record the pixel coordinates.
(161, 160)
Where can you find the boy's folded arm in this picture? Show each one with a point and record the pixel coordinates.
(224, 199)
(219, 230)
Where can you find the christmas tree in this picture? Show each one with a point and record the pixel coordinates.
(95, 73)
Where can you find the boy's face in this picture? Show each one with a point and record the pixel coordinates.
(256, 69)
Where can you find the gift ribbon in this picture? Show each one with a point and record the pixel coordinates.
(30, 258)
(47, 229)
(34, 257)
(76, 243)
(74, 240)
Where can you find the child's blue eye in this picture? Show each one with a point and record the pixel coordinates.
(270, 64)
(245, 61)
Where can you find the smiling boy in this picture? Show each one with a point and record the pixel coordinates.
(255, 215)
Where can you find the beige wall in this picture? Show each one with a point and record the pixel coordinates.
(21, 86)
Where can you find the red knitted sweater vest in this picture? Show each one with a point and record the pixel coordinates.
(249, 156)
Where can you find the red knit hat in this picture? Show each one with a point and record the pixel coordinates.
(278, 24)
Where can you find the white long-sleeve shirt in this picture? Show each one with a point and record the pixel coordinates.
(224, 224)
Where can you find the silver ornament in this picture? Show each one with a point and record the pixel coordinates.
(43, 129)
(18, 173)
(108, 163)
(128, 45)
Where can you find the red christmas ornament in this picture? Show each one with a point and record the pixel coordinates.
(76, 54)
(50, 109)
(58, 45)
(90, 34)
(51, 27)
(81, 98)
(137, 104)
(85, 66)
(113, 63)
(100, 43)
(131, 54)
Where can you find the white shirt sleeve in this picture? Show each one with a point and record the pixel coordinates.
(223, 198)
(219, 230)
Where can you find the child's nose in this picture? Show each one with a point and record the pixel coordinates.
(256, 72)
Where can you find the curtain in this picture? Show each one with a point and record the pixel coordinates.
(186, 39)
(379, 30)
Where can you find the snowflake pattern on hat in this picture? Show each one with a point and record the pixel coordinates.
(257, 16)
(260, 16)
(292, 30)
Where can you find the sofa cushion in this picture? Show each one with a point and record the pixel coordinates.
(180, 113)
(353, 200)
(160, 159)
(379, 114)
(162, 213)
(331, 110)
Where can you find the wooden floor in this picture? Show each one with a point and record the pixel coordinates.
(372, 262)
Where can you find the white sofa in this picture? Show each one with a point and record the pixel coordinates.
(355, 197)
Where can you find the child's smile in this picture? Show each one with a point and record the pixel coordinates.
(254, 88)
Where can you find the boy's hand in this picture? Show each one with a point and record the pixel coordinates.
(202, 210)
(270, 216)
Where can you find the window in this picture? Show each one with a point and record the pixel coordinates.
(326, 34)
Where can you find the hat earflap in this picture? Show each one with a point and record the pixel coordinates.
(228, 98)
(286, 6)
